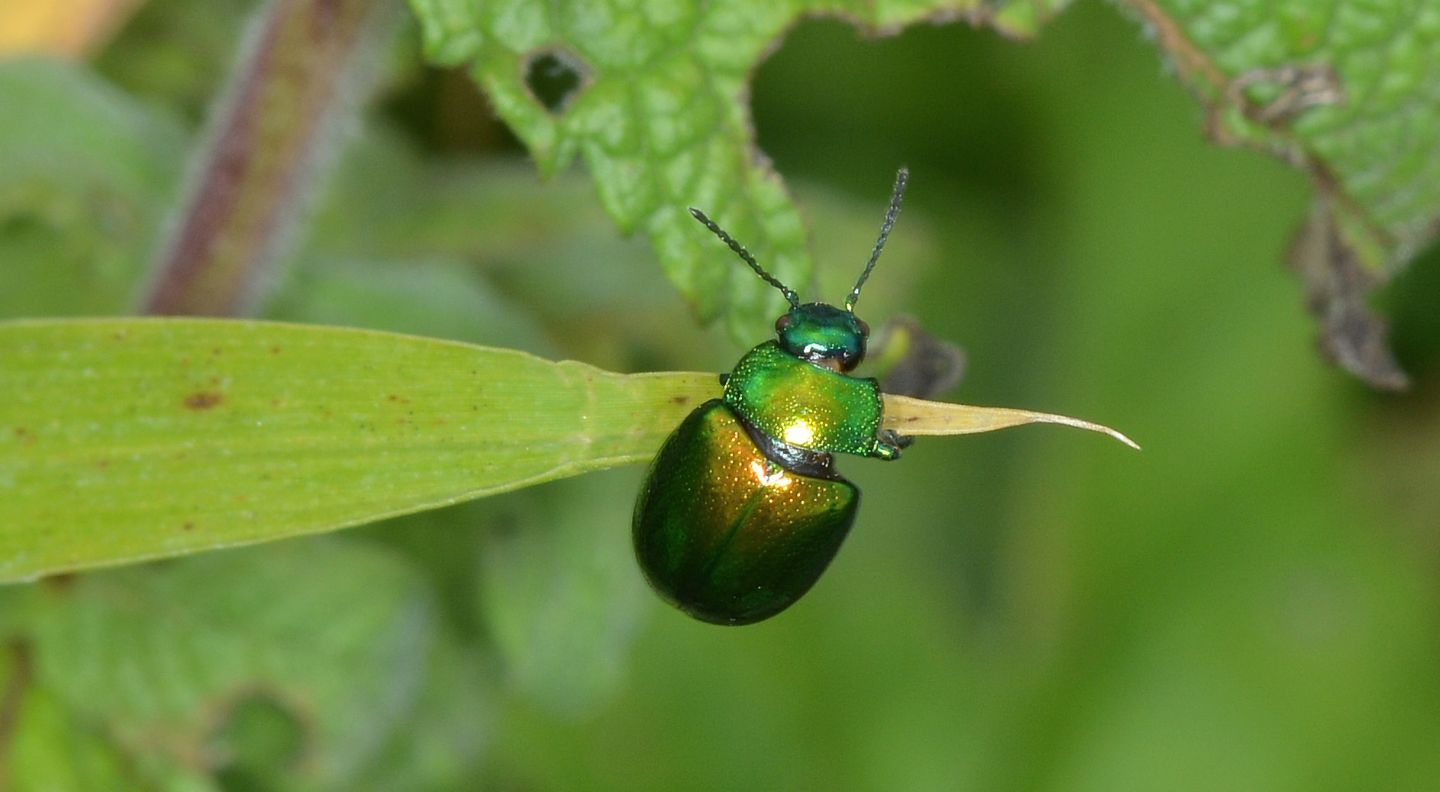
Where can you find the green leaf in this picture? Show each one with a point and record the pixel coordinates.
(1345, 92)
(443, 740)
(51, 749)
(84, 172)
(203, 664)
(658, 112)
(555, 585)
(128, 439)
(653, 95)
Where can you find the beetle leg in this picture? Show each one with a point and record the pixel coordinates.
(893, 438)
(888, 445)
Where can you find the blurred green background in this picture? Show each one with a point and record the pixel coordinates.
(1250, 603)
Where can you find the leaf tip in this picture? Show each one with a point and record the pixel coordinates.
(1090, 425)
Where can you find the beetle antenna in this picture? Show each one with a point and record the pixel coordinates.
(745, 256)
(901, 177)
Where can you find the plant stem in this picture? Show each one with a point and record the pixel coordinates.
(296, 83)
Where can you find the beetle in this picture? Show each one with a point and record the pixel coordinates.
(742, 509)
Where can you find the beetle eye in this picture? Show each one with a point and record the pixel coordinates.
(864, 328)
(782, 323)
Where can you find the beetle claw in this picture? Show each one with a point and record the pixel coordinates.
(894, 439)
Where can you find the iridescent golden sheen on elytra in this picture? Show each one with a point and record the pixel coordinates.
(727, 534)
(742, 509)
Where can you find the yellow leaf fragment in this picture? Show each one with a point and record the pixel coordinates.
(63, 28)
(910, 416)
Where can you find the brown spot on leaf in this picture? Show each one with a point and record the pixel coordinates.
(24, 435)
(61, 583)
(274, 350)
(188, 526)
(203, 400)
(679, 399)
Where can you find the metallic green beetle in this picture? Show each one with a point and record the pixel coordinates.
(742, 508)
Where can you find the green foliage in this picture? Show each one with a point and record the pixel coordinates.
(658, 115)
(52, 749)
(555, 586)
(1248, 605)
(1344, 90)
(189, 677)
(140, 438)
(655, 105)
(83, 172)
